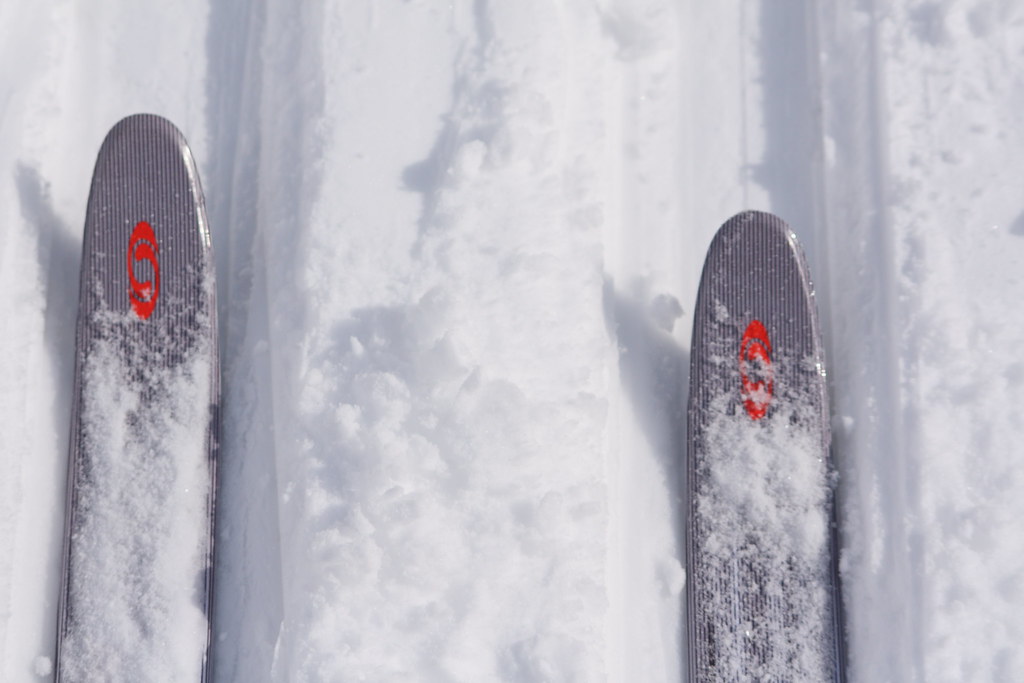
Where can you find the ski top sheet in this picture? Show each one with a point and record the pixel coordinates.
(136, 590)
(762, 587)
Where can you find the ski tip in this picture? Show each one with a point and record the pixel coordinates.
(149, 125)
(755, 230)
(762, 221)
(143, 153)
(139, 136)
(756, 269)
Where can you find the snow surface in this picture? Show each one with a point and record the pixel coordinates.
(458, 247)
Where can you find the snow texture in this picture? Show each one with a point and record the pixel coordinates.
(140, 533)
(762, 505)
(458, 247)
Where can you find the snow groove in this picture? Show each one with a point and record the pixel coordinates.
(873, 495)
(646, 125)
(247, 590)
(291, 103)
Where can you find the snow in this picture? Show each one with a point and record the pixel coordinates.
(140, 539)
(458, 246)
(763, 509)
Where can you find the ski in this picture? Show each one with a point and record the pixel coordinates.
(762, 583)
(135, 598)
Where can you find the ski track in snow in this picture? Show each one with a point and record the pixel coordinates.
(458, 248)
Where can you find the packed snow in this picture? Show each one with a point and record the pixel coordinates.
(458, 247)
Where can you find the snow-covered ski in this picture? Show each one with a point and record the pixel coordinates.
(136, 589)
(762, 588)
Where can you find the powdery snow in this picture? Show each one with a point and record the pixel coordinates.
(762, 507)
(141, 529)
(458, 248)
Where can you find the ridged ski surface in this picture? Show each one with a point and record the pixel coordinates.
(761, 588)
(144, 173)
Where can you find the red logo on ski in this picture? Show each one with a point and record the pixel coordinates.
(756, 370)
(142, 246)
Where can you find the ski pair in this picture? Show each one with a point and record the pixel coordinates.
(762, 587)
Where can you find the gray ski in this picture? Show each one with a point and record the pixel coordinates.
(762, 588)
(136, 591)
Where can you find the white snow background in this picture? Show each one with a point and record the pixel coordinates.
(458, 245)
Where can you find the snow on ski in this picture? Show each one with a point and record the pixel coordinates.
(135, 599)
(762, 598)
